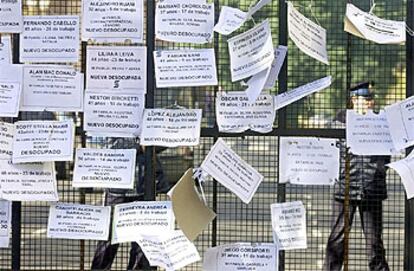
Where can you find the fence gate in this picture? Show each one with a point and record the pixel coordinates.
(351, 60)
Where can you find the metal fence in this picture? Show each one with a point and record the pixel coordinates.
(351, 60)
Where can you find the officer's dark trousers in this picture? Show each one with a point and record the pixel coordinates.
(105, 252)
(371, 220)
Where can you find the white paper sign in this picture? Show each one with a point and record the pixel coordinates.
(251, 52)
(291, 96)
(256, 84)
(9, 99)
(242, 256)
(76, 221)
(181, 68)
(169, 249)
(230, 20)
(368, 134)
(117, 68)
(6, 140)
(50, 39)
(257, 7)
(5, 50)
(11, 73)
(280, 55)
(235, 114)
(177, 21)
(289, 225)
(113, 20)
(308, 36)
(115, 115)
(135, 218)
(28, 182)
(108, 168)
(171, 127)
(400, 118)
(368, 26)
(5, 223)
(308, 160)
(224, 165)
(41, 141)
(405, 168)
(11, 19)
(52, 88)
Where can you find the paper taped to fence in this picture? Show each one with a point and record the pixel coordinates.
(400, 118)
(77, 221)
(5, 223)
(11, 19)
(185, 68)
(117, 68)
(230, 20)
(404, 168)
(5, 50)
(113, 20)
(308, 160)
(280, 55)
(136, 218)
(192, 221)
(41, 141)
(113, 115)
(235, 114)
(50, 39)
(242, 256)
(171, 127)
(368, 134)
(291, 96)
(251, 52)
(6, 140)
(289, 225)
(308, 36)
(368, 26)
(169, 249)
(107, 168)
(228, 168)
(52, 88)
(177, 21)
(28, 182)
(10, 93)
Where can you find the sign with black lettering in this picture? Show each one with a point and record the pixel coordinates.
(11, 19)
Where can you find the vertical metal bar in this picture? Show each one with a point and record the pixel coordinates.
(409, 204)
(282, 115)
(16, 206)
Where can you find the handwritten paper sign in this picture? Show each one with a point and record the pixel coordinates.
(235, 114)
(5, 50)
(6, 140)
(308, 160)
(135, 218)
(10, 93)
(117, 68)
(113, 20)
(104, 168)
(52, 88)
(76, 221)
(5, 223)
(180, 68)
(308, 36)
(404, 168)
(230, 20)
(224, 165)
(289, 225)
(251, 52)
(288, 97)
(242, 256)
(177, 21)
(11, 19)
(28, 182)
(368, 134)
(171, 127)
(169, 249)
(50, 39)
(41, 141)
(400, 118)
(114, 115)
(368, 26)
